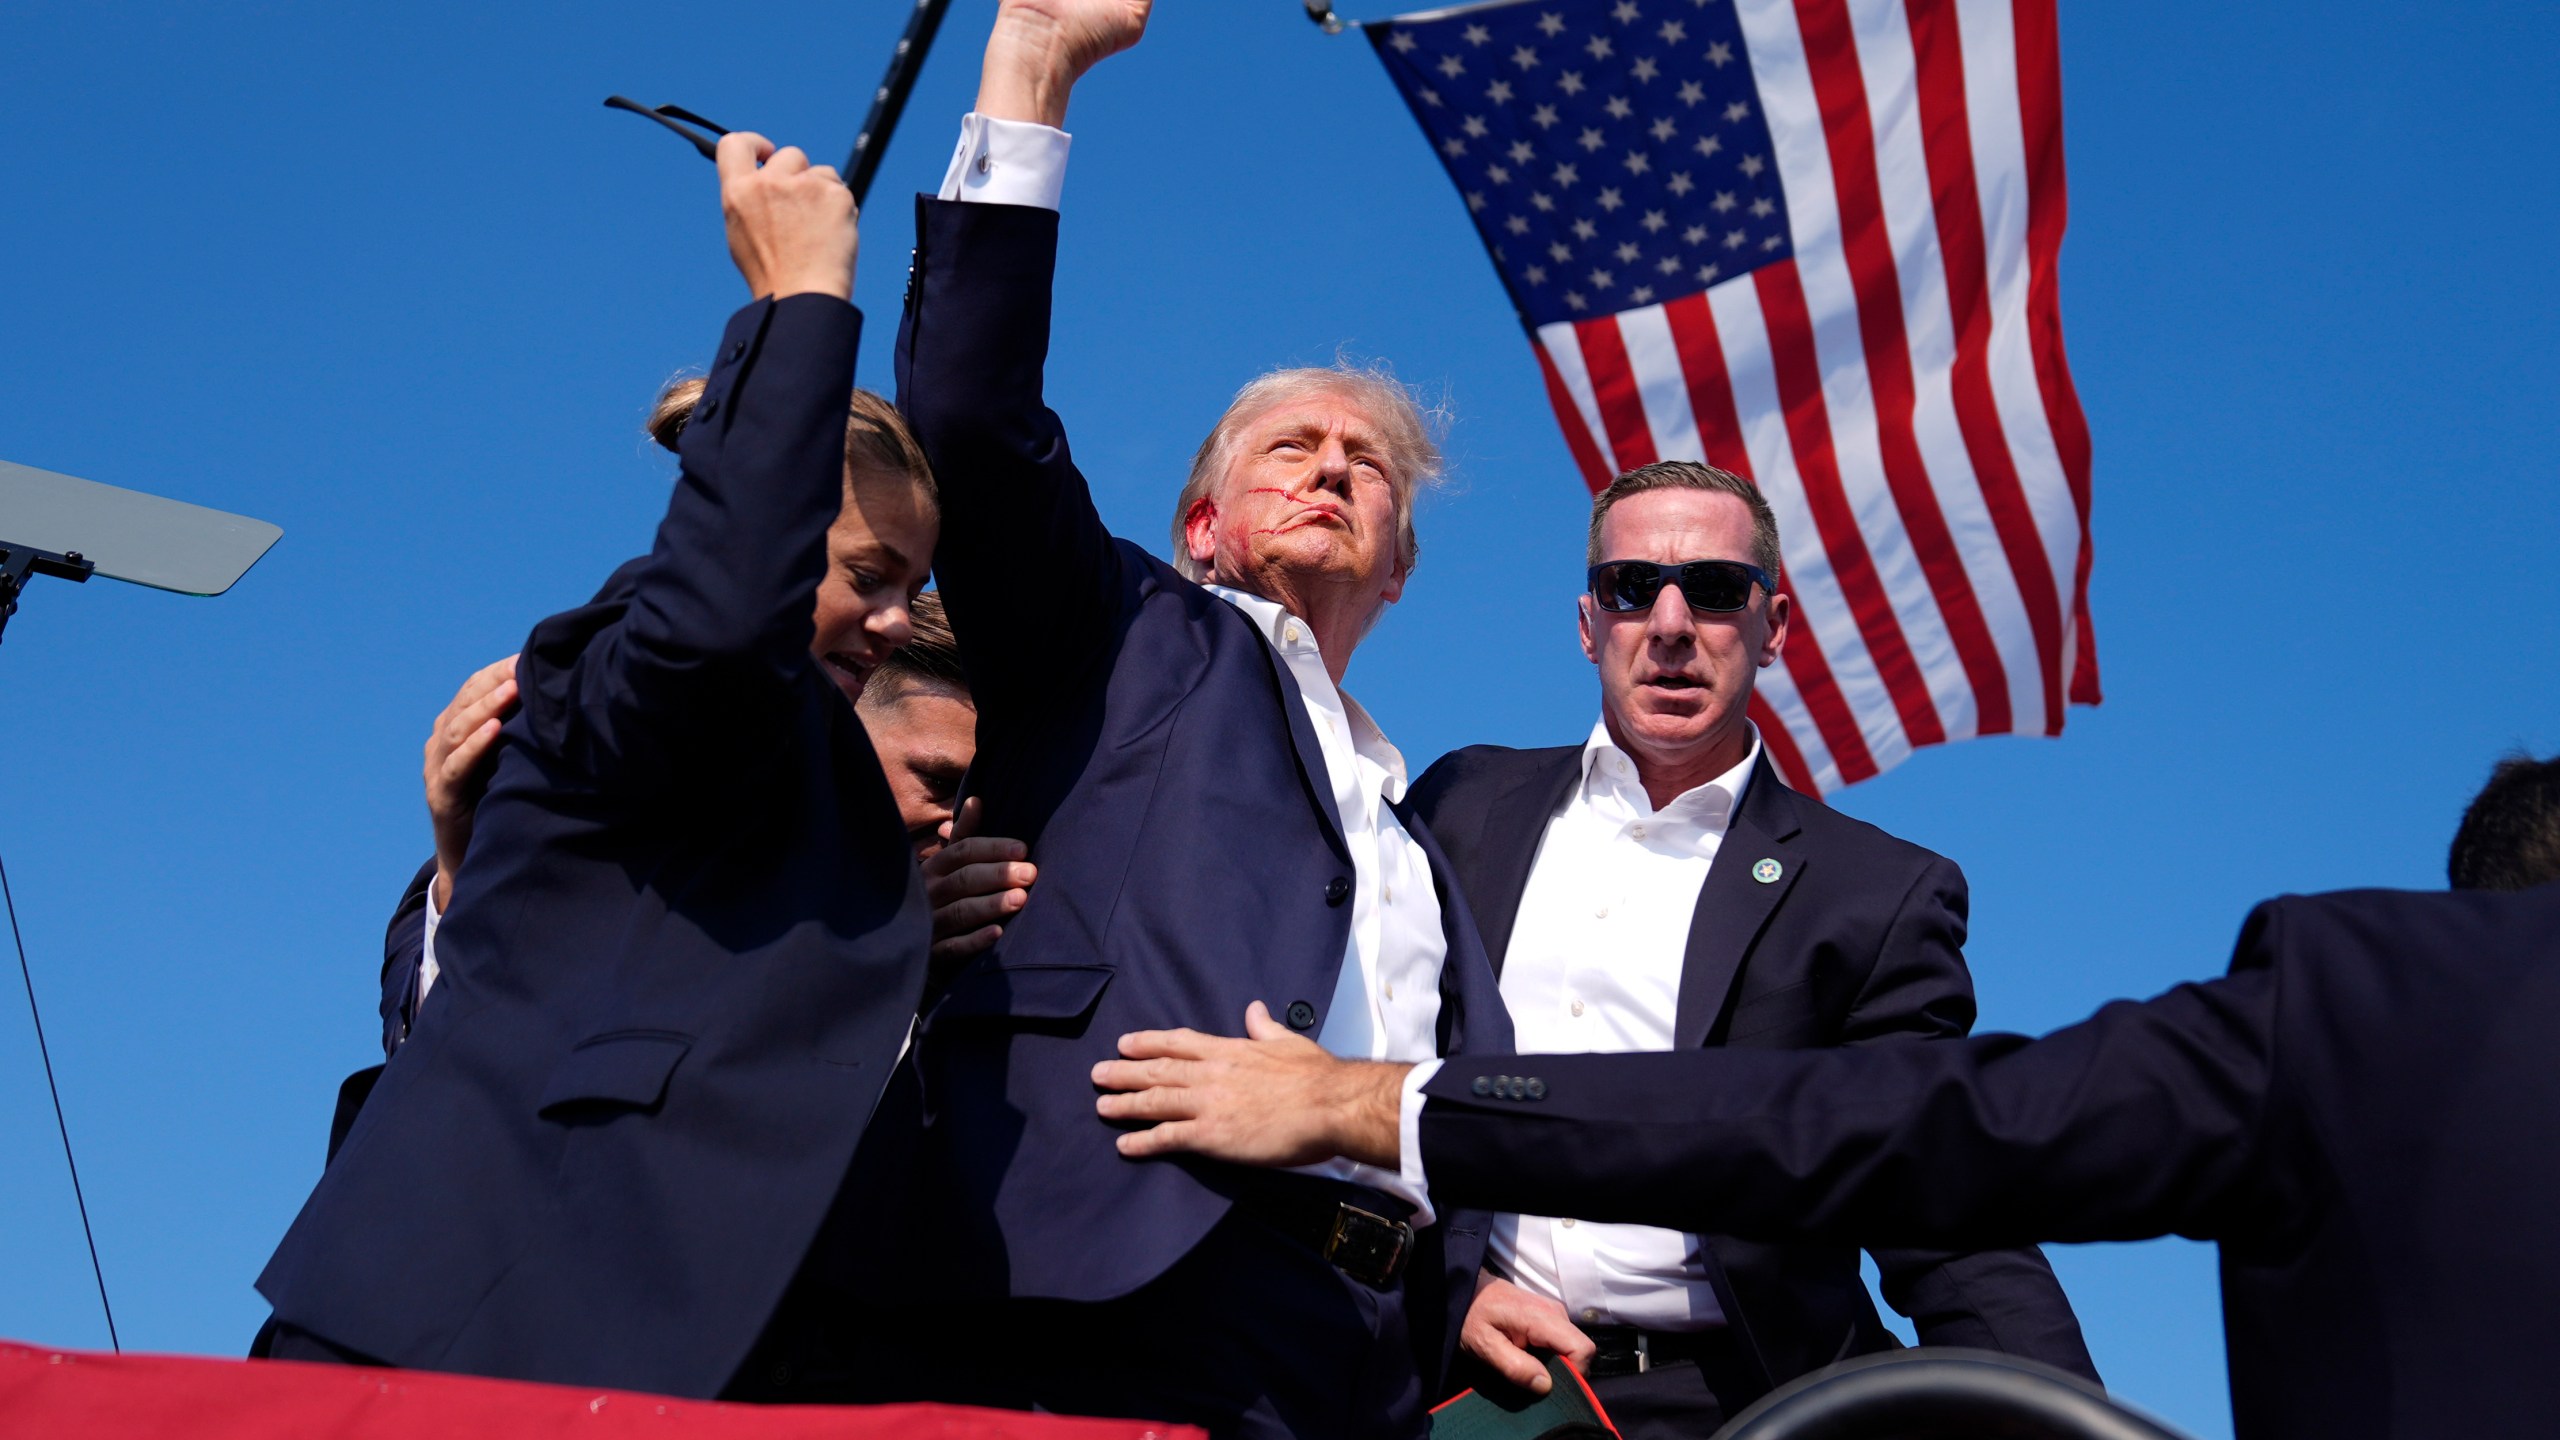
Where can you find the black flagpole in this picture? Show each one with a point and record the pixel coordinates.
(891, 98)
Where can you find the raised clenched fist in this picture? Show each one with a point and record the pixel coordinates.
(1040, 48)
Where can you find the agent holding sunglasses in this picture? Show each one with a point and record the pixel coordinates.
(1658, 887)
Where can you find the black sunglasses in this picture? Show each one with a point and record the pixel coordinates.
(670, 116)
(1716, 586)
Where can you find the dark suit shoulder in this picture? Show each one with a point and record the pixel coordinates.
(1473, 774)
(1873, 848)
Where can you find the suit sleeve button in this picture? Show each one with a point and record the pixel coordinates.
(1337, 890)
(1483, 1085)
(1302, 1016)
(1537, 1088)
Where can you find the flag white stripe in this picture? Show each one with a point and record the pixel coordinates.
(1778, 687)
(1661, 383)
(1564, 348)
(1820, 607)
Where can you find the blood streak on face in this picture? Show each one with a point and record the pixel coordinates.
(1309, 498)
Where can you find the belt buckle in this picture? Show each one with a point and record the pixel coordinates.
(1367, 1247)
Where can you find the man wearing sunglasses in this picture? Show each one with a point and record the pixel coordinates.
(1657, 887)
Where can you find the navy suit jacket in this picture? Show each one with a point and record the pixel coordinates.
(2364, 1114)
(1138, 733)
(1859, 941)
(682, 956)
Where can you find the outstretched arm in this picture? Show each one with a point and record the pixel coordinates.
(2141, 1121)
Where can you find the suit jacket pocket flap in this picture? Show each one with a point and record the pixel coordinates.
(621, 1069)
(1023, 992)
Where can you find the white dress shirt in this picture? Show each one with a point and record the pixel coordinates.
(1594, 965)
(1386, 1000)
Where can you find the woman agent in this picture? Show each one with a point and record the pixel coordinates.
(690, 935)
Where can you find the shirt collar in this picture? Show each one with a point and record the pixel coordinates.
(1295, 639)
(1607, 769)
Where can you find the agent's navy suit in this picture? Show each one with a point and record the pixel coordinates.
(1140, 735)
(683, 953)
(1859, 941)
(2364, 1114)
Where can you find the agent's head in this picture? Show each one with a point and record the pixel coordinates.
(923, 723)
(1678, 651)
(2510, 837)
(880, 548)
(1307, 482)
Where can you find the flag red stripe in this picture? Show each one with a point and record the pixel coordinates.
(1831, 58)
(1693, 333)
(2048, 207)
(1613, 386)
(1577, 435)
(1938, 55)
(1781, 747)
(1799, 377)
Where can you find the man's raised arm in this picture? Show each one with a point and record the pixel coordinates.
(1025, 566)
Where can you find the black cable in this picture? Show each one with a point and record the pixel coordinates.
(59, 1123)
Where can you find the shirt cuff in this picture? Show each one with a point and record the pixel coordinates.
(1007, 162)
(427, 967)
(1409, 1131)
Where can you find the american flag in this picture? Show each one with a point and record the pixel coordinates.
(1812, 242)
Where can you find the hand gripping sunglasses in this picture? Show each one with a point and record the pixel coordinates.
(1717, 587)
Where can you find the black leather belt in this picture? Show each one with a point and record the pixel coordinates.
(1628, 1350)
(1354, 1238)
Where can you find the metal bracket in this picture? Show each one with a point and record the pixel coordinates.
(1322, 13)
(18, 562)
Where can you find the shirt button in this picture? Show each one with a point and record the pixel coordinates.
(1391, 989)
(1568, 1224)
(1577, 1007)
(1636, 830)
(1590, 1312)
(1602, 913)
(1289, 633)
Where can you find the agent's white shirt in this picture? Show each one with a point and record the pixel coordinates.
(1594, 966)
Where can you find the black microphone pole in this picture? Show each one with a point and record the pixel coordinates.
(890, 100)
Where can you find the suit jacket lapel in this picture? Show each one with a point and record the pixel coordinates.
(1302, 741)
(1515, 823)
(1734, 905)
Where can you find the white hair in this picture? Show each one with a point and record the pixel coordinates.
(1413, 455)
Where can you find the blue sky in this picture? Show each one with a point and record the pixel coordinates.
(392, 278)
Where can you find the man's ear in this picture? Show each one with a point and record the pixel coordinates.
(1587, 622)
(1780, 612)
(1200, 532)
(1394, 590)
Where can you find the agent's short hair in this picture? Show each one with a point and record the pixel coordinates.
(2510, 837)
(876, 437)
(931, 655)
(1413, 455)
(1689, 475)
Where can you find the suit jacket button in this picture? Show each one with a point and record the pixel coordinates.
(1337, 890)
(1483, 1085)
(1302, 1016)
(1537, 1088)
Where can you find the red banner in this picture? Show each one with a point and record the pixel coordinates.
(150, 1397)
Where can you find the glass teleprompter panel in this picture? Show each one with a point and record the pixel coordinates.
(144, 539)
